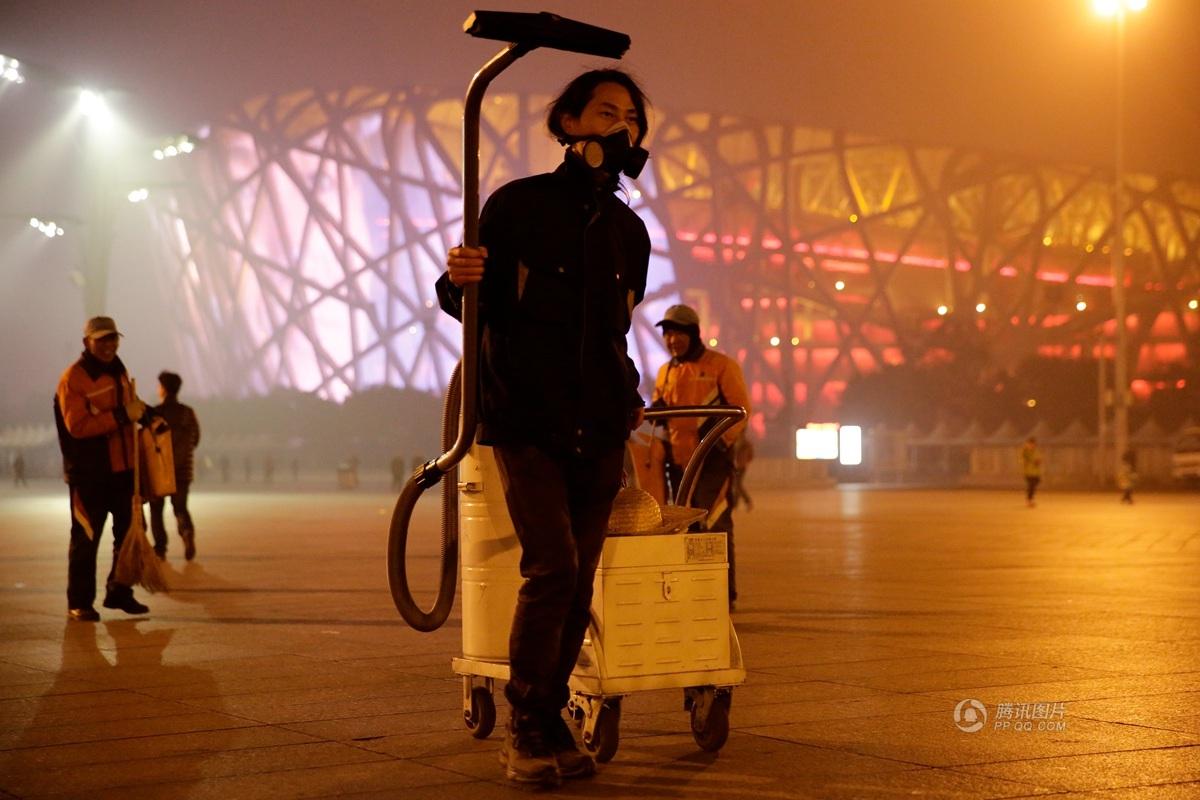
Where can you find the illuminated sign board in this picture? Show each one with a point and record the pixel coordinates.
(829, 441)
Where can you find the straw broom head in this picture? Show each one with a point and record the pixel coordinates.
(137, 563)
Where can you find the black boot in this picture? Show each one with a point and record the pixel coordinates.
(572, 762)
(189, 542)
(526, 755)
(121, 597)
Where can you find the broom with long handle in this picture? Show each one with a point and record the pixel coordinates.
(137, 562)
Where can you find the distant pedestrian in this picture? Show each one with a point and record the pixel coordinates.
(743, 454)
(18, 466)
(1127, 476)
(397, 473)
(185, 436)
(1031, 466)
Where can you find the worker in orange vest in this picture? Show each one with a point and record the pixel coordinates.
(696, 376)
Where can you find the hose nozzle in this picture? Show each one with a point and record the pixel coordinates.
(428, 474)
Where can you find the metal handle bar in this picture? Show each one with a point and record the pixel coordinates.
(728, 417)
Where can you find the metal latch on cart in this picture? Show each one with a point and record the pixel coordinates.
(471, 487)
(668, 586)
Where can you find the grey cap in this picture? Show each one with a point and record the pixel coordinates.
(96, 327)
(680, 315)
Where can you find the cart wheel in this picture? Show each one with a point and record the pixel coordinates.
(712, 735)
(606, 737)
(482, 719)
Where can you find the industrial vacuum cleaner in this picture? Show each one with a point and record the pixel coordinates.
(660, 614)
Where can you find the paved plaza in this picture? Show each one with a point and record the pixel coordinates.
(277, 666)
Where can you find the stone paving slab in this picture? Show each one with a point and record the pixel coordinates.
(277, 667)
(137, 773)
(1117, 770)
(131, 748)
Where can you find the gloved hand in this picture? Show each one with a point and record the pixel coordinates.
(134, 409)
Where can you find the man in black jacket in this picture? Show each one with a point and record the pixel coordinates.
(566, 263)
(185, 435)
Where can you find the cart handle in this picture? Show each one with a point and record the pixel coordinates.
(728, 416)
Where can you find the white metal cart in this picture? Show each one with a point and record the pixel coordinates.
(660, 612)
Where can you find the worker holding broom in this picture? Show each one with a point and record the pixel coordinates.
(95, 409)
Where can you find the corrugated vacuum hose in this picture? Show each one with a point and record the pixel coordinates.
(397, 550)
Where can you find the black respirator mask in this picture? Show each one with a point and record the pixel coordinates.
(613, 151)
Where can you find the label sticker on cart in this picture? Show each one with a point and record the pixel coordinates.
(703, 548)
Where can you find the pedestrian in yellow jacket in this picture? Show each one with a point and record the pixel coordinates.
(696, 376)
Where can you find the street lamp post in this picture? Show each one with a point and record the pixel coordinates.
(1118, 9)
(1120, 361)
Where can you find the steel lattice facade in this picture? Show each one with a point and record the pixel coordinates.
(310, 227)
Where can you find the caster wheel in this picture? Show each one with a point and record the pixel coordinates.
(606, 736)
(482, 718)
(711, 735)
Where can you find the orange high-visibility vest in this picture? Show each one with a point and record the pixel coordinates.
(712, 379)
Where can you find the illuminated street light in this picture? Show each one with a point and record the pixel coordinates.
(774, 341)
(839, 285)
(1193, 304)
(93, 106)
(10, 70)
(175, 146)
(1112, 8)
(1081, 305)
(47, 228)
(943, 310)
(138, 195)
(712, 342)
(980, 308)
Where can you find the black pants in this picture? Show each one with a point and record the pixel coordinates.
(1031, 484)
(183, 518)
(715, 492)
(96, 500)
(559, 507)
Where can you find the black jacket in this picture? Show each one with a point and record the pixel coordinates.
(185, 436)
(565, 260)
